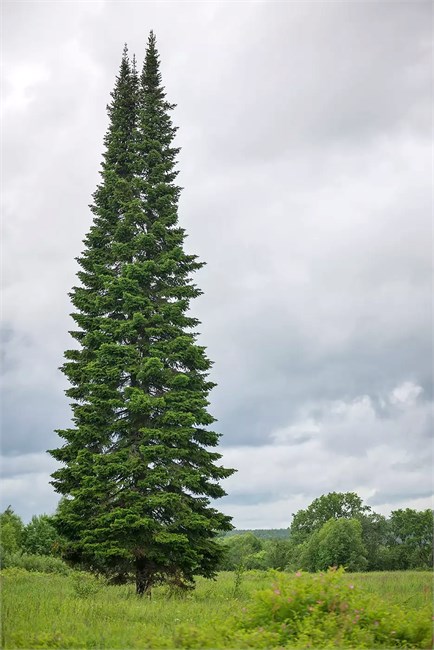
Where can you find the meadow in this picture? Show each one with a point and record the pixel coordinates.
(77, 611)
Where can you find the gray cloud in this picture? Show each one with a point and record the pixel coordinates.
(398, 497)
(305, 164)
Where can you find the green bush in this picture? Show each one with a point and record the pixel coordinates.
(40, 563)
(326, 610)
(85, 584)
(314, 611)
(14, 573)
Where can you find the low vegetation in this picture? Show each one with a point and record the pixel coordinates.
(271, 592)
(254, 609)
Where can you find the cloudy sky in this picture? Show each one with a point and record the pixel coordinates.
(305, 130)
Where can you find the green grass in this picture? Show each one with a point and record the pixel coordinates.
(409, 589)
(39, 605)
(41, 610)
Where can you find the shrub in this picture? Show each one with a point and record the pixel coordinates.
(314, 611)
(85, 584)
(40, 563)
(14, 573)
(326, 610)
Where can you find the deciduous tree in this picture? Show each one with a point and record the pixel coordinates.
(337, 543)
(335, 505)
(40, 537)
(11, 532)
(411, 537)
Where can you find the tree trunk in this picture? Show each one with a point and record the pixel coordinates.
(143, 578)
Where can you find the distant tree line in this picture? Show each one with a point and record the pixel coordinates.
(337, 529)
(38, 537)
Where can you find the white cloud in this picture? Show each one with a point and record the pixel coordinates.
(19, 81)
(405, 394)
(25, 484)
(298, 432)
(384, 457)
(348, 447)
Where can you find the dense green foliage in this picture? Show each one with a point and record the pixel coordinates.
(38, 563)
(324, 611)
(337, 543)
(138, 471)
(41, 537)
(76, 611)
(34, 547)
(242, 551)
(411, 538)
(246, 551)
(368, 543)
(337, 529)
(335, 505)
(11, 533)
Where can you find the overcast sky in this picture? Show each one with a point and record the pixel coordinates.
(305, 130)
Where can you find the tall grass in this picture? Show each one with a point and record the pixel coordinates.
(413, 589)
(41, 611)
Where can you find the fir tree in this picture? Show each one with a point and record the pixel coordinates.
(138, 472)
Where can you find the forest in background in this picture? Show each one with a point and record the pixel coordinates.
(336, 529)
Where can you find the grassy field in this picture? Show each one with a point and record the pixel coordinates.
(41, 610)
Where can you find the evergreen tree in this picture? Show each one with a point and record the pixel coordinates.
(138, 472)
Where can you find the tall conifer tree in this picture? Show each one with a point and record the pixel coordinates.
(138, 472)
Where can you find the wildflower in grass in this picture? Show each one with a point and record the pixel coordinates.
(298, 574)
(277, 592)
